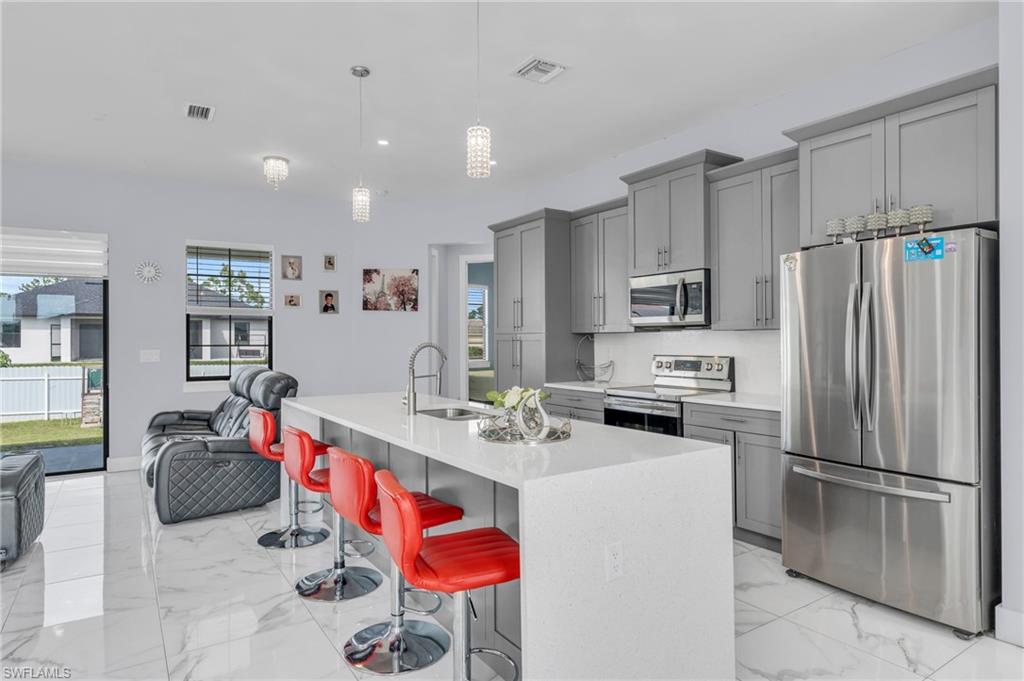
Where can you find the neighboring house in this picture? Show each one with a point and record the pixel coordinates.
(212, 337)
(60, 322)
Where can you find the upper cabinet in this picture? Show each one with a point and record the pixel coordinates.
(667, 225)
(936, 145)
(754, 220)
(600, 268)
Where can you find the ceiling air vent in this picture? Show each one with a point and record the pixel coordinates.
(539, 70)
(199, 112)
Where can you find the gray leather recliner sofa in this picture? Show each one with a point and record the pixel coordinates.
(199, 463)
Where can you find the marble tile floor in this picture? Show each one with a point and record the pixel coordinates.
(110, 593)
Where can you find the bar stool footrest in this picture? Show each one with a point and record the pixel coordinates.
(498, 653)
(418, 611)
(358, 554)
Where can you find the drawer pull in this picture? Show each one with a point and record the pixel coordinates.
(732, 419)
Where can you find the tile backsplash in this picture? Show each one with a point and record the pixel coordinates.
(757, 353)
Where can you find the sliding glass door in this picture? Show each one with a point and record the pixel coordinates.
(53, 373)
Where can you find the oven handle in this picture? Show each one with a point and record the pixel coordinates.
(642, 407)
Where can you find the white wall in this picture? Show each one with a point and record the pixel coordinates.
(1010, 615)
(356, 351)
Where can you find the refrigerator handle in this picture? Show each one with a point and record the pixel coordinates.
(941, 497)
(866, 359)
(851, 359)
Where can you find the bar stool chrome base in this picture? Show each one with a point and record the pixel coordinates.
(293, 538)
(338, 584)
(397, 646)
(385, 649)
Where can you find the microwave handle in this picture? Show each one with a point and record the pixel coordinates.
(681, 299)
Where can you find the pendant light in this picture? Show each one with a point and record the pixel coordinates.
(478, 137)
(275, 169)
(360, 194)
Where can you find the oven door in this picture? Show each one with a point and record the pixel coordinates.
(648, 415)
(672, 299)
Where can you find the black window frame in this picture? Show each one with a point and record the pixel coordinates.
(4, 334)
(229, 345)
(57, 344)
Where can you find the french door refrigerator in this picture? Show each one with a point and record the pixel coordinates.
(890, 421)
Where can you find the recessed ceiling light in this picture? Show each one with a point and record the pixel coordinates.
(493, 162)
(383, 143)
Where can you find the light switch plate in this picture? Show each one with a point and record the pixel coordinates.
(147, 356)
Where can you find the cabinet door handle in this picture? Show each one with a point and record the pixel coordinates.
(767, 298)
(593, 314)
(892, 201)
(668, 256)
(757, 313)
(659, 257)
(603, 310)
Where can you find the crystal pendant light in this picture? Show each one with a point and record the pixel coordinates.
(478, 137)
(275, 169)
(360, 194)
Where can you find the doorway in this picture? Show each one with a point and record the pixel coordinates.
(53, 370)
(477, 339)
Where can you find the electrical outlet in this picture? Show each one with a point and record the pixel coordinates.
(613, 561)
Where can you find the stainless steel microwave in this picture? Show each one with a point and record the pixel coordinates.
(671, 299)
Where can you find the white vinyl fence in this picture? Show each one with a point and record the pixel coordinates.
(40, 392)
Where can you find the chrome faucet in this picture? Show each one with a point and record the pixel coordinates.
(410, 390)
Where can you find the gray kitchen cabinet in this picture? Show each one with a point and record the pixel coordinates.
(613, 270)
(667, 218)
(841, 174)
(534, 342)
(508, 275)
(936, 145)
(756, 449)
(758, 483)
(584, 281)
(600, 268)
(753, 208)
(945, 154)
(780, 200)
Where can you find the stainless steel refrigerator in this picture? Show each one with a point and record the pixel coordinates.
(890, 421)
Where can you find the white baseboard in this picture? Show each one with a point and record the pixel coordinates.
(118, 464)
(1009, 625)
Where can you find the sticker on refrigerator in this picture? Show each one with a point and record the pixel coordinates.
(925, 248)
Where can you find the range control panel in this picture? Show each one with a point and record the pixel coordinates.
(692, 366)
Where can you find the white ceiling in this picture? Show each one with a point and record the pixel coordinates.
(106, 84)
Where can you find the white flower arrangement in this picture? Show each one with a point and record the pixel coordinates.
(514, 396)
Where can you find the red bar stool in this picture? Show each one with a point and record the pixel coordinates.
(262, 433)
(451, 563)
(397, 645)
(298, 458)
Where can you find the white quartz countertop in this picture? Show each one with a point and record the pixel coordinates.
(762, 401)
(592, 446)
(587, 386)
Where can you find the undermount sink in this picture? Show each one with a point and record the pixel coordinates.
(452, 414)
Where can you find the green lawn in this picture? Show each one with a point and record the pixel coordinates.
(47, 434)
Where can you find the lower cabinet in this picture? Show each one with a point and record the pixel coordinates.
(520, 361)
(757, 466)
(758, 483)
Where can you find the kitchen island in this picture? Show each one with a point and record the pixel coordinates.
(626, 536)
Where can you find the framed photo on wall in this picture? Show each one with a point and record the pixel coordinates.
(328, 300)
(292, 300)
(291, 267)
(330, 262)
(391, 290)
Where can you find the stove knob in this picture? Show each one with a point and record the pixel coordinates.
(718, 367)
(709, 366)
(657, 364)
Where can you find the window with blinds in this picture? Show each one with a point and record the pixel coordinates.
(229, 300)
(477, 314)
(238, 279)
